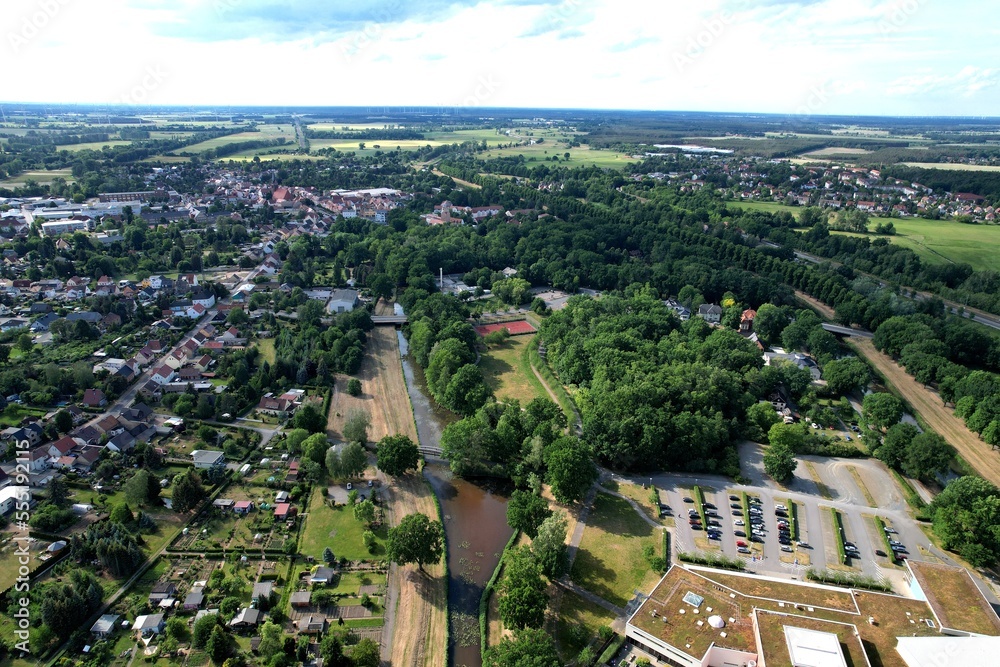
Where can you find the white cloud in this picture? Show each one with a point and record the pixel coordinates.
(862, 56)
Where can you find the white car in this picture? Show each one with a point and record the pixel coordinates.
(781, 507)
(739, 522)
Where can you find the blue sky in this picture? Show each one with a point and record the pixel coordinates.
(906, 57)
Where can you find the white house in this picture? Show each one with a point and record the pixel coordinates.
(164, 374)
(342, 301)
(205, 458)
(11, 495)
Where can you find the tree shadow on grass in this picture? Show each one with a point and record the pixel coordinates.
(427, 586)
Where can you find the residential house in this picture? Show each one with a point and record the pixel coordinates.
(123, 442)
(145, 356)
(138, 412)
(105, 626)
(162, 591)
(284, 511)
(38, 460)
(262, 590)
(322, 575)
(204, 458)
(94, 398)
(243, 507)
(110, 426)
(163, 375)
(246, 618)
(64, 446)
(10, 496)
(275, 406)
(301, 599)
(746, 320)
(311, 624)
(149, 624)
(86, 459)
(710, 312)
(195, 598)
(151, 391)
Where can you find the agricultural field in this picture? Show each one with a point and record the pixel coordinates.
(508, 373)
(835, 151)
(610, 562)
(94, 145)
(285, 131)
(949, 166)
(579, 156)
(383, 391)
(43, 177)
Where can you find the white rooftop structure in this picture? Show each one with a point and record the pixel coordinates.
(812, 648)
(946, 651)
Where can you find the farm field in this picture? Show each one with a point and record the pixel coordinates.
(832, 151)
(949, 166)
(936, 241)
(610, 561)
(383, 391)
(508, 373)
(42, 177)
(286, 131)
(579, 156)
(93, 145)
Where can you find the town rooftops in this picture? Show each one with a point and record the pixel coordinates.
(207, 457)
(954, 598)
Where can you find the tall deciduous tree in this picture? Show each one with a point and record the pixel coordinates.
(526, 511)
(779, 462)
(521, 594)
(186, 491)
(397, 454)
(549, 546)
(882, 409)
(416, 539)
(527, 648)
(571, 469)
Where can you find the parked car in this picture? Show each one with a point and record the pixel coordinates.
(740, 543)
(739, 522)
(734, 498)
(743, 550)
(739, 533)
(785, 547)
(879, 552)
(688, 500)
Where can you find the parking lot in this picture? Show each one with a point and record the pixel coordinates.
(812, 539)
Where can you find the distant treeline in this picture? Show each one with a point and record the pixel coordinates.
(983, 183)
(240, 146)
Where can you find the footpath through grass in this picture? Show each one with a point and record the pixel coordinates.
(508, 373)
(610, 561)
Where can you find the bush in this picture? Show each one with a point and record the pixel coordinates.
(354, 387)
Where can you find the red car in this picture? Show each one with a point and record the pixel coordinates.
(740, 543)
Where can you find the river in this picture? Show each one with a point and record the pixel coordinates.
(475, 524)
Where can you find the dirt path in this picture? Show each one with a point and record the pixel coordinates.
(941, 419)
(383, 391)
(416, 612)
(823, 309)
(416, 618)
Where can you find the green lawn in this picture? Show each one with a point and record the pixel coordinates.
(577, 624)
(579, 156)
(266, 348)
(337, 529)
(610, 561)
(508, 373)
(769, 207)
(42, 177)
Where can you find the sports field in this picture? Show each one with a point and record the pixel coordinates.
(513, 328)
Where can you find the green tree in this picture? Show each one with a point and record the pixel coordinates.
(365, 512)
(24, 343)
(332, 651)
(366, 654)
(177, 628)
(845, 375)
(528, 647)
(353, 460)
(966, 515)
(927, 455)
(203, 630)
(521, 598)
(59, 492)
(333, 464)
(892, 450)
(416, 539)
(549, 546)
(790, 436)
(328, 556)
(121, 513)
(186, 492)
(356, 426)
(760, 418)
(315, 447)
(571, 469)
(882, 409)
(354, 387)
(310, 418)
(220, 645)
(526, 511)
(136, 489)
(780, 462)
(769, 323)
(63, 420)
(294, 439)
(271, 641)
(397, 454)
(381, 286)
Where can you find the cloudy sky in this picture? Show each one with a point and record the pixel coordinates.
(905, 57)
